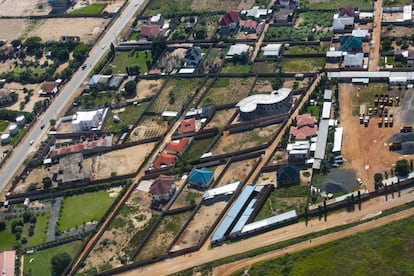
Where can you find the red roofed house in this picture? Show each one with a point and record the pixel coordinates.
(177, 146)
(7, 262)
(150, 31)
(163, 188)
(49, 88)
(187, 126)
(305, 127)
(164, 160)
(229, 22)
(248, 26)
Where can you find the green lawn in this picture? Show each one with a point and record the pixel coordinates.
(86, 207)
(18, 135)
(334, 4)
(264, 67)
(387, 250)
(40, 264)
(7, 238)
(196, 149)
(3, 125)
(291, 65)
(235, 68)
(306, 49)
(101, 99)
(167, 7)
(314, 110)
(278, 33)
(128, 117)
(90, 9)
(396, 3)
(130, 59)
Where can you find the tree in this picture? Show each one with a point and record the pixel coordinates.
(80, 51)
(402, 167)
(2, 226)
(157, 47)
(130, 88)
(60, 262)
(47, 183)
(378, 180)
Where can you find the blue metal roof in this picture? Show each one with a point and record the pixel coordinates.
(244, 217)
(200, 176)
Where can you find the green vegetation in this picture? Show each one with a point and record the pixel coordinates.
(139, 235)
(167, 8)
(122, 60)
(41, 260)
(79, 209)
(322, 19)
(18, 135)
(3, 125)
(214, 54)
(228, 90)
(33, 230)
(90, 9)
(392, 61)
(264, 67)
(314, 110)
(309, 22)
(235, 68)
(196, 149)
(291, 65)
(367, 253)
(333, 4)
(95, 100)
(306, 49)
(128, 116)
(278, 33)
(395, 3)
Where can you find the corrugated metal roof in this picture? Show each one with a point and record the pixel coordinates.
(270, 221)
(337, 146)
(226, 189)
(322, 138)
(244, 217)
(326, 110)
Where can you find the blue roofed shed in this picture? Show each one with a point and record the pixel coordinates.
(201, 177)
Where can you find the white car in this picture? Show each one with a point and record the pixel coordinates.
(103, 46)
(359, 180)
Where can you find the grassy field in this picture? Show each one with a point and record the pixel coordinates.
(387, 250)
(333, 4)
(396, 3)
(88, 101)
(278, 33)
(366, 94)
(18, 135)
(230, 67)
(196, 149)
(168, 7)
(228, 90)
(129, 59)
(128, 116)
(291, 65)
(90, 9)
(7, 238)
(306, 49)
(264, 67)
(3, 125)
(40, 264)
(82, 208)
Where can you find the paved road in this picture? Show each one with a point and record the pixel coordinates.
(66, 95)
(51, 231)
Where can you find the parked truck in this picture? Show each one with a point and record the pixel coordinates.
(406, 129)
(394, 146)
(366, 121)
(380, 122)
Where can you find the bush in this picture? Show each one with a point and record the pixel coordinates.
(2, 226)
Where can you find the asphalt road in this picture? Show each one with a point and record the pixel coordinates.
(66, 95)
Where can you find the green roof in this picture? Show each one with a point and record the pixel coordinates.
(349, 42)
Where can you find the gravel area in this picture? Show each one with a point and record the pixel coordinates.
(339, 181)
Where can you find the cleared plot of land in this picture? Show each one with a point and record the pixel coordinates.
(12, 28)
(230, 67)
(122, 60)
(196, 149)
(244, 140)
(218, 5)
(267, 178)
(333, 4)
(221, 118)
(128, 116)
(292, 65)
(149, 127)
(199, 225)
(148, 88)
(39, 263)
(368, 253)
(187, 197)
(395, 3)
(79, 209)
(396, 31)
(228, 90)
(35, 176)
(214, 58)
(24, 7)
(18, 88)
(120, 162)
(237, 171)
(162, 236)
(264, 67)
(123, 235)
(175, 95)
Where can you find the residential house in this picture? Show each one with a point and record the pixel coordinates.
(164, 160)
(248, 26)
(298, 152)
(256, 12)
(343, 19)
(406, 56)
(291, 4)
(333, 56)
(7, 263)
(162, 189)
(149, 31)
(201, 178)
(354, 60)
(283, 15)
(305, 127)
(229, 23)
(271, 50)
(157, 19)
(5, 97)
(193, 57)
(350, 43)
(237, 49)
(88, 120)
(49, 88)
(177, 146)
(99, 81)
(287, 175)
(187, 126)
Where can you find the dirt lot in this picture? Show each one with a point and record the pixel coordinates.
(237, 171)
(221, 5)
(122, 161)
(148, 88)
(24, 8)
(397, 31)
(365, 148)
(221, 118)
(18, 88)
(12, 28)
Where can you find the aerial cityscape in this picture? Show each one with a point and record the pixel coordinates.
(215, 137)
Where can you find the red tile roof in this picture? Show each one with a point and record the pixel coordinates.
(162, 185)
(7, 262)
(164, 159)
(177, 145)
(248, 23)
(305, 120)
(79, 147)
(48, 86)
(151, 30)
(187, 125)
(303, 132)
(231, 16)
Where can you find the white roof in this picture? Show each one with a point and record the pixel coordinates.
(298, 145)
(326, 110)
(186, 71)
(14, 126)
(85, 115)
(360, 80)
(354, 60)
(269, 221)
(299, 151)
(5, 136)
(407, 12)
(237, 49)
(169, 114)
(155, 18)
(337, 146)
(223, 190)
(360, 33)
(250, 103)
(19, 118)
(256, 12)
(271, 49)
(334, 53)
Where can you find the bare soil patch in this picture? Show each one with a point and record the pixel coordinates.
(267, 178)
(397, 31)
(24, 7)
(237, 171)
(18, 88)
(221, 118)
(148, 88)
(11, 28)
(149, 127)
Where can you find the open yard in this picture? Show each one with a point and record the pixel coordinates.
(196, 149)
(307, 49)
(221, 118)
(128, 116)
(39, 263)
(264, 67)
(237, 171)
(186, 198)
(24, 8)
(167, 7)
(218, 5)
(148, 88)
(292, 65)
(228, 90)
(175, 95)
(90, 9)
(79, 209)
(214, 58)
(387, 250)
(230, 67)
(122, 60)
(149, 127)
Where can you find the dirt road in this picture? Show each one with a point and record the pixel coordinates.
(374, 55)
(369, 209)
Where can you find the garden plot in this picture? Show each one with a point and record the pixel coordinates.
(244, 140)
(293, 65)
(214, 59)
(120, 162)
(228, 90)
(333, 4)
(123, 234)
(199, 225)
(175, 95)
(264, 67)
(221, 118)
(237, 171)
(149, 127)
(196, 149)
(311, 26)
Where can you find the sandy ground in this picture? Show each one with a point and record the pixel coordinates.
(221, 5)
(18, 88)
(364, 148)
(237, 172)
(122, 161)
(24, 7)
(12, 28)
(149, 128)
(221, 118)
(148, 88)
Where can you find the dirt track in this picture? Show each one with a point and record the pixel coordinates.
(374, 55)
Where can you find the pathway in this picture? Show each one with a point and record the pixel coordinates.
(51, 231)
